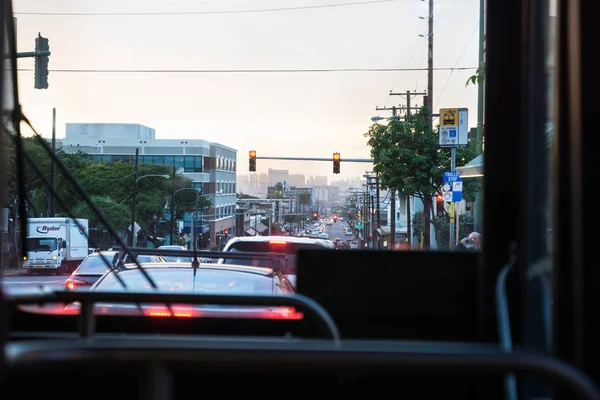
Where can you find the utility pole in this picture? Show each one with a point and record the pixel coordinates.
(408, 96)
(378, 212)
(393, 109)
(135, 176)
(393, 218)
(430, 65)
(195, 224)
(171, 229)
(453, 226)
(478, 198)
(53, 166)
(373, 226)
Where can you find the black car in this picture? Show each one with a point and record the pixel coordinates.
(92, 268)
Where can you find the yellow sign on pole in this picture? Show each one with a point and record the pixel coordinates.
(449, 117)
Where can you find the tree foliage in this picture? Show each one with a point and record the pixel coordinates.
(479, 76)
(277, 192)
(443, 232)
(408, 159)
(118, 215)
(110, 186)
(304, 199)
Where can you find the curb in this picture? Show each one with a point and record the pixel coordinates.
(21, 272)
(14, 272)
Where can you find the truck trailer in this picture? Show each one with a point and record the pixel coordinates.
(55, 245)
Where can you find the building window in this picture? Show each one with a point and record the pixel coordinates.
(188, 163)
(197, 186)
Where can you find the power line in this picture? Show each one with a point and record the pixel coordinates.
(246, 71)
(457, 61)
(260, 10)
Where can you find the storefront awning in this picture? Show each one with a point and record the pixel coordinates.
(472, 169)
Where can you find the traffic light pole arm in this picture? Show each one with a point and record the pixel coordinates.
(364, 160)
(28, 54)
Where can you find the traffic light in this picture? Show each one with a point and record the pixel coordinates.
(336, 163)
(41, 62)
(252, 161)
(315, 216)
(440, 205)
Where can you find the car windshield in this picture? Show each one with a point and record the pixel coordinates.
(178, 259)
(182, 280)
(282, 247)
(94, 264)
(41, 244)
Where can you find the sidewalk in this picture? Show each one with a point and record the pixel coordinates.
(13, 272)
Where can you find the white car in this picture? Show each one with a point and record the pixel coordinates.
(287, 245)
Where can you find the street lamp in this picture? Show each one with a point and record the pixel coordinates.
(378, 118)
(132, 235)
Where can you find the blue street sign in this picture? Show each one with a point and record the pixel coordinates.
(456, 196)
(451, 177)
(451, 132)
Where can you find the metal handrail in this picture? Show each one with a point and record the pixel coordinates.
(88, 299)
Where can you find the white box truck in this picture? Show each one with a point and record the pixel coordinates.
(55, 245)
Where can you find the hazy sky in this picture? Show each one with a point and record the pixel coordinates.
(276, 114)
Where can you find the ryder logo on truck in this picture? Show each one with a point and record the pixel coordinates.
(46, 229)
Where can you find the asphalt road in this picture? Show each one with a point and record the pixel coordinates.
(336, 230)
(22, 283)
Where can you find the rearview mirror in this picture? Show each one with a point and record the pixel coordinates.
(64, 245)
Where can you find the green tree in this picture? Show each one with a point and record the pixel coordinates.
(118, 215)
(277, 192)
(304, 199)
(443, 240)
(408, 159)
(110, 185)
(479, 76)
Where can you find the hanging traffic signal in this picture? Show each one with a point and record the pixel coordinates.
(336, 163)
(252, 163)
(315, 216)
(42, 51)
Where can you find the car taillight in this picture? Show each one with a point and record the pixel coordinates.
(73, 283)
(277, 242)
(165, 312)
(282, 313)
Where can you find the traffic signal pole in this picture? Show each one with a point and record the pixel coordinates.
(363, 160)
(29, 54)
(41, 54)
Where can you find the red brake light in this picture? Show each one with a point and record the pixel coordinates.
(283, 313)
(283, 242)
(73, 283)
(164, 312)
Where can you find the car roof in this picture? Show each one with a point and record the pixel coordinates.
(205, 266)
(111, 253)
(289, 239)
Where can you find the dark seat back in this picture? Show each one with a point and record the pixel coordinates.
(394, 294)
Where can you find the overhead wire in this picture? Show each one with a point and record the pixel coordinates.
(244, 71)
(216, 12)
(457, 61)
